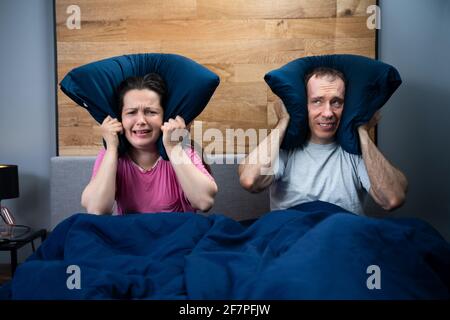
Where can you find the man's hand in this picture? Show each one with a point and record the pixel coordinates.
(256, 170)
(173, 131)
(388, 184)
(281, 112)
(372, 122)
(110, 129)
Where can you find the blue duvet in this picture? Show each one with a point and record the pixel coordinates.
(313, 251)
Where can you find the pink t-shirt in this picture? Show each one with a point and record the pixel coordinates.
(154, 190)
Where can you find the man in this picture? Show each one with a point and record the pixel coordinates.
(321, 169)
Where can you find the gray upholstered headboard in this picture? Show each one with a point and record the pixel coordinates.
(69, 176)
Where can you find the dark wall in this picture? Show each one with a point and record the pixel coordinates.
(414, 132)
(27, 105)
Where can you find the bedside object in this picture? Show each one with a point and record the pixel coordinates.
(14, 243)
(9, 189)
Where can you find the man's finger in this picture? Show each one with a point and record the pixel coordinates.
(378, 115)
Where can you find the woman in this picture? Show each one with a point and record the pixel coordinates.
(140, 180)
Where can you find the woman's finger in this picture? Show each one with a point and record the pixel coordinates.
(106, 120)
(117, 129)
(179, 119)
(117, 124)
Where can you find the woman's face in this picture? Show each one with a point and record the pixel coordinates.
(142, 117)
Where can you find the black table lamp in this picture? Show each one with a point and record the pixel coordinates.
(9, 189)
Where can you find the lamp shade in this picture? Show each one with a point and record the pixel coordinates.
(9, 181)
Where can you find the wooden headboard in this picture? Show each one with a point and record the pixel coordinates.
(240, 40)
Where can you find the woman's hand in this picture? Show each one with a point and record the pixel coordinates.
(174, 130)
(110, 129)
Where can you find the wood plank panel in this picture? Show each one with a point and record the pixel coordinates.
(85, 52)
(139, 30)
(79, 150)
(240, 40)
(336, 28)
(97, 31)
(265, 9)
(150, 30)
(249, 94)
(353, 7)
(252, 72)
(224, 137)
(238, 51)
(364, 46)
(116, 10)
(81, 135)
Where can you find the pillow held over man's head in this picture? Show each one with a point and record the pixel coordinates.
(369, 84)
(190, 85)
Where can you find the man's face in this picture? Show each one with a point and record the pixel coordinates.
(325, 105)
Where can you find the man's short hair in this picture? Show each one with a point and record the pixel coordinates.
(324, 72)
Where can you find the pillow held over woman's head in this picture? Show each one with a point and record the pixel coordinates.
(190, 85)
(369, 84)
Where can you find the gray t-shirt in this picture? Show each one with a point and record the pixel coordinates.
(319, 172)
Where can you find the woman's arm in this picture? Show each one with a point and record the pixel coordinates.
(199, 189)
(253, 171)
(99, 195)
(388, 185)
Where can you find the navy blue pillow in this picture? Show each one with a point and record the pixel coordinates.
(369, 84)
(190, 85)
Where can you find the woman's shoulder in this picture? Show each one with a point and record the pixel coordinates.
(101, 152)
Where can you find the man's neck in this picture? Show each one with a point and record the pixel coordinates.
(316, 140)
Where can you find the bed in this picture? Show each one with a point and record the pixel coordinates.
(239, 250)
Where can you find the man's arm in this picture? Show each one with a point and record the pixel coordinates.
(253, 171)
(388, 184)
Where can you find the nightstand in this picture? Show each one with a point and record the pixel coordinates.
(14, 244)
